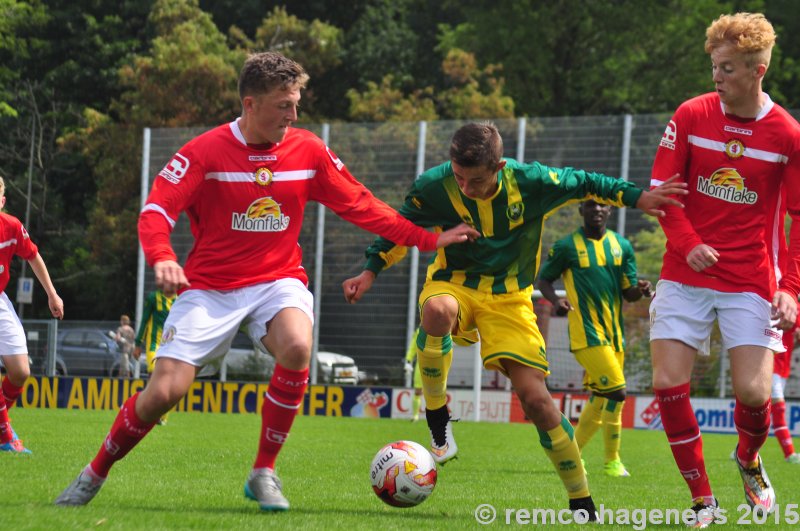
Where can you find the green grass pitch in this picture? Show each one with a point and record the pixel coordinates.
(190, 473)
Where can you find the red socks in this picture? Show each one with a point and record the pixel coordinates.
(5, 426)
(683, 434)
(126, 432)
(8, 398)
(281, 402)
(10, 393)
(752, 423)
(779, 427)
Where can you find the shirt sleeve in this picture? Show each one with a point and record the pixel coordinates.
(672, 158)
(173, 189)
(383, 254)
(629, 272)
(560, 186)
(556, 263)
(337, 189)
(790, 280)
(26, 249)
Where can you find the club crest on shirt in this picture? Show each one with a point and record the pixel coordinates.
(734, 148)
(263, 215)
(515, 211)
(263, 176)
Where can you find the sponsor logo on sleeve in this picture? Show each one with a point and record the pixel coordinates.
(670, 135)
(175, 169)
(336, 161)
(25, 235)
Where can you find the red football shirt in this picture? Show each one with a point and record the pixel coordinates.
(245, 205)
(735, 169)
(14, 239)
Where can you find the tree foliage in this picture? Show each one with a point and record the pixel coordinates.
(79, 79)
(471, 92)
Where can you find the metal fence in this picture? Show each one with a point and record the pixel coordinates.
(387, 157)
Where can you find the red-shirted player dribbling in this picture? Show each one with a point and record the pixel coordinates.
(740, 154)
(244, 186)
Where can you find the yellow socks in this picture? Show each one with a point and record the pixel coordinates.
(612, 428)
(589, 421)
(434, 356)
(560, 446)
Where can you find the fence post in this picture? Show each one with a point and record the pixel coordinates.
(413, 268)
(145, 189)
(319, 250)
(52, 335)
(521, 126)
(625, 167)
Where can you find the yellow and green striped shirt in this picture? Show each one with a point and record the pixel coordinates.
(506, 258)
(595, 273)
(156, 309)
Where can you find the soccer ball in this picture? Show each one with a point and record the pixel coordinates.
(403, 474)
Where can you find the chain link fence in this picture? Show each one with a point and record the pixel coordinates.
(387, 157)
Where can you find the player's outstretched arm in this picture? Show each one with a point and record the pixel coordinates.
(458, 234)
(170, 276)
(355, 288)
(650, 201)
(54, 302)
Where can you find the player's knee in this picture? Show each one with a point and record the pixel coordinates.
(538, 406)
(19, 375)
(439, 315)
(294, 353)
(753, 396)
(617, 396)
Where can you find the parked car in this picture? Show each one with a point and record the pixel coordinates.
(336, 368)
(91, 352)
(248, 361)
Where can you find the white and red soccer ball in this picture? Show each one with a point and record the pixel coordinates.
(403, 474)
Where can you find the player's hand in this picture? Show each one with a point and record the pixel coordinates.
(408, 367)
(355, 288)
(56, 306)
(137, 353)
(458, 234)
(170, 276)
(646, 287)
(563, 307)
(701, 257)
(650, 201)
(784, 309)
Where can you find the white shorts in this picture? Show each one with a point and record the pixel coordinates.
(778, 385)
(687, 313)
(202, 323)
(12, 336)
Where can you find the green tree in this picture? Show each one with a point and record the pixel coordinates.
(572, 57)
(315, 45)
(471, 93)
(188, 77)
